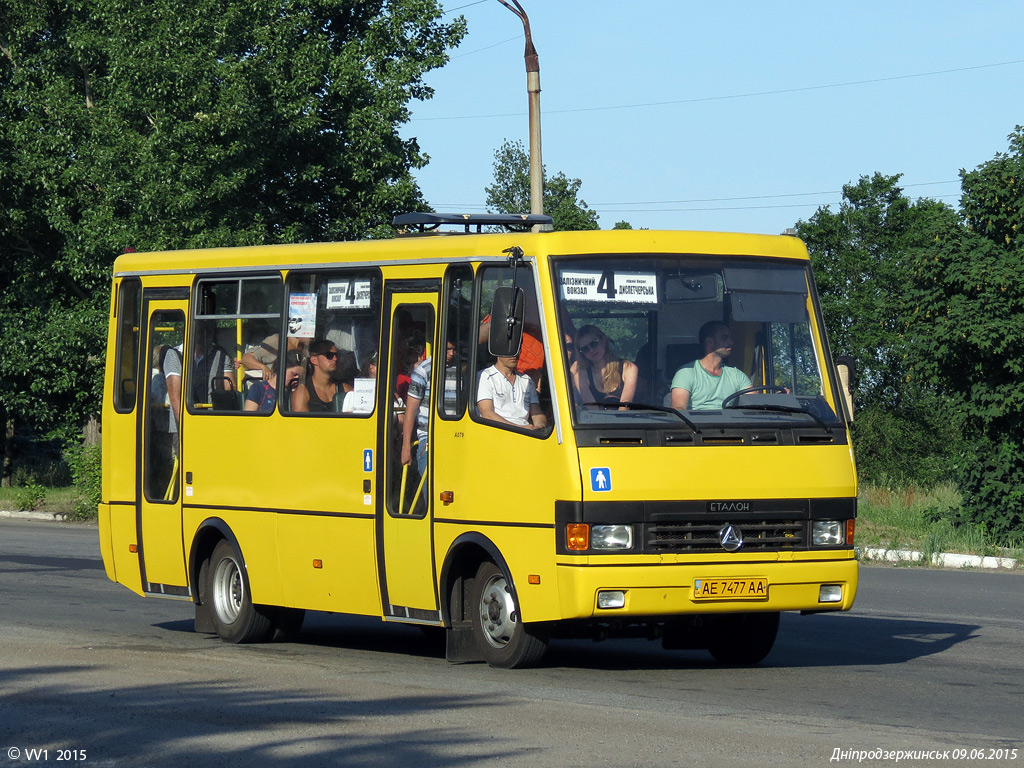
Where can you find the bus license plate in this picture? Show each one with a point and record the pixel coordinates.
(731, 589)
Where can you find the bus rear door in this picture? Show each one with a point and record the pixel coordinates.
(158, 489)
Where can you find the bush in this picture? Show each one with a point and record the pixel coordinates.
(85, 463)
(909, 448)
(30, 496)
(993, 483)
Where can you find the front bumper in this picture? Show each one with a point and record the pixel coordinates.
(657, 589)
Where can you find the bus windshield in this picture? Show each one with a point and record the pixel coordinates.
(673, 339)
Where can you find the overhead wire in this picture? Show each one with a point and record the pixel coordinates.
(610, 207)
(607, 207)
(752, 94)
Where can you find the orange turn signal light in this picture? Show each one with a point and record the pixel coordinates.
(133, 548)
(577, 536)
(851, 526)
(318, 563)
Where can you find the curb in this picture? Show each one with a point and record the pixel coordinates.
(942, 559)
(57, 517)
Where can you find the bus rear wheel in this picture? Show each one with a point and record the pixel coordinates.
(226, 586)
(506, 641)
(743, 639)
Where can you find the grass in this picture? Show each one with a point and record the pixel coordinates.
(918, 520)
(55, 501)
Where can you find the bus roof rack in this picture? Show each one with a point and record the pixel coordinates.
(428, 222)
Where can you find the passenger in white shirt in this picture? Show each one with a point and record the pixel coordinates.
(509, 397)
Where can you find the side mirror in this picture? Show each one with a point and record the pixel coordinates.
(846, 370)
(507, 312)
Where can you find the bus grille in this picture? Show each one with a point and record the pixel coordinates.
(702, 536)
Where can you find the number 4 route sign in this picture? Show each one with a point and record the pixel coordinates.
(600, 479)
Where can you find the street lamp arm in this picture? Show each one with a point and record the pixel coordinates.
(532, 60)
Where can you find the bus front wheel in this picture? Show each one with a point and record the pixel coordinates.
(226, 587)
(507, 642)
(743, 639)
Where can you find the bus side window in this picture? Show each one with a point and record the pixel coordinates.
(454, 382)
(127, 364)
(340, 308)
(508, 404)
(231, 316)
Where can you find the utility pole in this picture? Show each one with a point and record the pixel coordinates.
(533, 89)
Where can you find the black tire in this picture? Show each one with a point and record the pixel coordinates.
(506, 642)
(743, 639)
(226, 587)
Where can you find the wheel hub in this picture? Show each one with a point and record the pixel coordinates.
(497, 612)
(228, 591)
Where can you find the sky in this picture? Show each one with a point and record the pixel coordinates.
(727, 116)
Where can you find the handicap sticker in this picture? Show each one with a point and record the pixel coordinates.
(368, 460)
(600, 479)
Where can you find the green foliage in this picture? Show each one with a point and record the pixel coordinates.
(511, 191)
(968, 326)
(861, 256)
(158, 126)
(916, 446)
(29, 496)
(85, 463)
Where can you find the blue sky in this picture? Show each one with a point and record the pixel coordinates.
(730, 116)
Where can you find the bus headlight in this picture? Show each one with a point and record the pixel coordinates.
(828, 533)
(611, 537)
(611, 598)
(830, 593)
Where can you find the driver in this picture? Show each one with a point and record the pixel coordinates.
(703, 384)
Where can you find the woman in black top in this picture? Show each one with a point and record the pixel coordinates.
(316, 395)
(602, 376)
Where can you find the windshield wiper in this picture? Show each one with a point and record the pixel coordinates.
(767, 406)
(649, 407)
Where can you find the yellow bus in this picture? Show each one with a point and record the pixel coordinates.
(498, 431)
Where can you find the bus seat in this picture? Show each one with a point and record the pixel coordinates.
(225, 399)
(678, 355)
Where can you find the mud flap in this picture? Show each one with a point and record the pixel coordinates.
(461, 646)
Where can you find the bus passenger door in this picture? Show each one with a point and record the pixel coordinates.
(406, 521)
(158, 485)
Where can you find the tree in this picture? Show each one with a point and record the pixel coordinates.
(861, 255)
(968, 323)
(138, 124)
(511, 191)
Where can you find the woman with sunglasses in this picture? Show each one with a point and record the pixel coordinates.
(316, 395)
(601, 376)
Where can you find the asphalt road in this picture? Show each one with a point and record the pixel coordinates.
(928, 660)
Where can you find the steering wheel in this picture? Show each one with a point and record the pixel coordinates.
(766, 388)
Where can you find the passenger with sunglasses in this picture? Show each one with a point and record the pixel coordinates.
(318, 391)
(600, 375)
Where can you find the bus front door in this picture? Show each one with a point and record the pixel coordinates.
(406, 521)
(158, 485)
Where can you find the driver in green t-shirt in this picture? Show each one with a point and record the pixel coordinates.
(703, 384)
